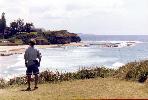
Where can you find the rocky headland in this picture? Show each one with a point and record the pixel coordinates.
(42, 38)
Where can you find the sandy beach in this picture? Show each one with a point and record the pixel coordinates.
(10, 50)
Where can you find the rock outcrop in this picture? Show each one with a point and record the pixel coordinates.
(62, 37)
(42, 38)
(50, 37)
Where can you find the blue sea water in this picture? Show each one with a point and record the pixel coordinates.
(89, 37)
(72, 58)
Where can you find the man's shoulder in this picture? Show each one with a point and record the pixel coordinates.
(32, 49)
(36, 49)
(27, 48)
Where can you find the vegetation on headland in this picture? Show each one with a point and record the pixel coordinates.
(132, 71)
(20, 32)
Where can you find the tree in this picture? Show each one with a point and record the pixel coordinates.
(0, 26)
(20, 27)
(3, 24)
(13, 27)
(28, 27)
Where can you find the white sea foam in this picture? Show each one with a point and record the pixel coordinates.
(62, 60)
(8, 77)
(20, 57)
(18, 64)
(117, 44)
(21, 69)
(73, 58)
(116, 65)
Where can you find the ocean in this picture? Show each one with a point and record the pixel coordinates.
(73, 58)
(89, 37)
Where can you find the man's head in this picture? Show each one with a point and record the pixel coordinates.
(32, 43)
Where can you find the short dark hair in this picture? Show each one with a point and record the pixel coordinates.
(32, 43)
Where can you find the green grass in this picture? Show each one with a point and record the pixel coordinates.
(97, 88)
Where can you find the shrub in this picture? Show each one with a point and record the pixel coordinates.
(3, 83)
(133, 70)
(51, 77)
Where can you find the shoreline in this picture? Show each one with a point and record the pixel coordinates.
(20, 49)
(11, 50)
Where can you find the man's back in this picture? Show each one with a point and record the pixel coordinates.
(31, 54)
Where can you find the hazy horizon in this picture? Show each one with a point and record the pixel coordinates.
(101, 17)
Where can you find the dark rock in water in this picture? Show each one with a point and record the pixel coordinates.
(3, 54)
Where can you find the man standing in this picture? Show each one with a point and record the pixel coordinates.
(32, 61)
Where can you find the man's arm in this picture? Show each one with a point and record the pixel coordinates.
(26, 58)
(39, 56)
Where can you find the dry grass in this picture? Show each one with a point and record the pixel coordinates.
(79, 89)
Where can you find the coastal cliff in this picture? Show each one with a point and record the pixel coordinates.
(45, 38)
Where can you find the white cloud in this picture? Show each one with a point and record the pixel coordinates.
(86, 16)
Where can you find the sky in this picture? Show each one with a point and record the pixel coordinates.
(101, 17)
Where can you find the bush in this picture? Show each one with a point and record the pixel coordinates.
(133, 70)
(3, 83)
(51, 77)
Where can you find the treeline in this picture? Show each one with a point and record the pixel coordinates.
(17, 26)
(20, 32)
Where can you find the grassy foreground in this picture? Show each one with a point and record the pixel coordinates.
(79, 89)
(86, 83)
